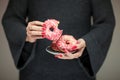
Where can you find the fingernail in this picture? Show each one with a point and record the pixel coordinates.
(42, 36)
(56, 56)
(43, 33)
(43, 28)
(74, 47)
(60, 55)
(43, 25)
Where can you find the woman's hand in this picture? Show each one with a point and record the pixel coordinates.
(33, 31)
(81, 46)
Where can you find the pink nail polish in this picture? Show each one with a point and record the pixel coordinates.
(42, 36)
(42, 33)
(74, 47)
(43, 29)
(60, 55)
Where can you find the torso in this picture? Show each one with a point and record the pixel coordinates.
(74, 17)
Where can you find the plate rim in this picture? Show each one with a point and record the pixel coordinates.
(51, 52)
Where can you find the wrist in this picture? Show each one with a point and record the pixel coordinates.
(27, 40)
(30, 40)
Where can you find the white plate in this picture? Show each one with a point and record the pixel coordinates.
(49, 50)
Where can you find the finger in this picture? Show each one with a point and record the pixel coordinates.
(37, 37)
(34, 33)
(36, 23)
(63, 56)
(70, 55)
(35, 28)
(81, 43)
(79, 53)
(59, 55)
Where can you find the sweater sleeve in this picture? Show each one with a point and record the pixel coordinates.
(14, 24)
(99, 38)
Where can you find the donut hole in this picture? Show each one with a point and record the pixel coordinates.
(67, 42)
(52, 29)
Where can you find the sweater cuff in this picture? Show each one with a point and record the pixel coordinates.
(26, 55)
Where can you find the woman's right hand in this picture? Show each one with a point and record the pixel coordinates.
(34, 31)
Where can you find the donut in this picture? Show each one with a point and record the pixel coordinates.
(54, 47)
(66, 43)
(61, 43)
(50, 30)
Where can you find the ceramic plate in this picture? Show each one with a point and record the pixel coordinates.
(51, 51)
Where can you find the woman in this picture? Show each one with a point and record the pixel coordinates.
(28, 47)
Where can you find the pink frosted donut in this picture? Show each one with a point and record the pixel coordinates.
(66, 43)
(54, 47)
(50, 30)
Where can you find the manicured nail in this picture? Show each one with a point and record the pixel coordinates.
(43, 28)
(60, 55)
(43, 24)
(74, 47)
(43, 33)
(56, 56)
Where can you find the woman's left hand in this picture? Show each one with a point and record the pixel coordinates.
(81, 46)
